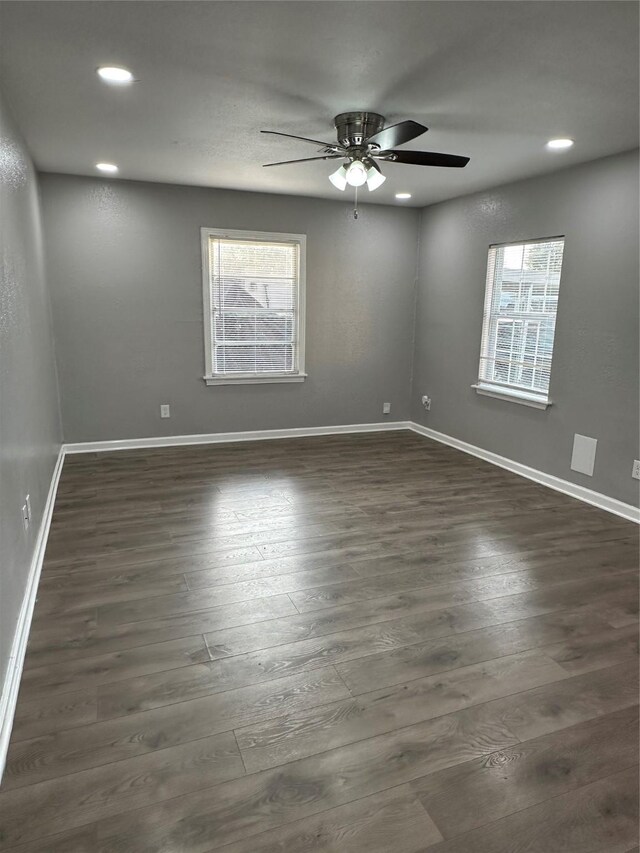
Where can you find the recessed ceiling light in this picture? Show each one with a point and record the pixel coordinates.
(107, 167)
(403, 195)
(559, 143)
(115, 74)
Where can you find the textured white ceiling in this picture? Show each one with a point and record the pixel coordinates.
(492, 80)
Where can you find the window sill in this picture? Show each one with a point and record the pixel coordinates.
(512, 395)
(254, 380)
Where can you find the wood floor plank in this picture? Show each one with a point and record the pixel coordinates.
(46, 630)
(597, 818)
(597, 650)
(388, 611)
(64, 526)
(365, 673)
(393, 539)
(82, 840)
(73, 596)
(225, 672)
(261, 532)
(622, 611)
(567, 703)
(198, 567)
(347, 633)
(308, 732)
(81, 798)
(57, 645)
(242, 538)
(208, 597)
(78, 637)
(46, 757)
(228, 672)
(330, 509)
(52, 713)
(153, 553)
(452, 564)
(260, 802)
(448, 593)
(72, 544)
(391, 820)
(90, 672)
(282, 581)
(576, 593)
(466, 796)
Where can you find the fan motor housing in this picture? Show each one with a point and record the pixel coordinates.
(355, 127)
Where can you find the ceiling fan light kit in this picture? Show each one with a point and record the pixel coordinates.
(362, 140)
(356, 173)
(375, 178)
(352, 176)
(339, 178)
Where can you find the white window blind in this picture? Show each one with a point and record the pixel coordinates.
(518, 329)
(253, 302)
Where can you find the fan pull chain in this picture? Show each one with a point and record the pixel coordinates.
(355, 204)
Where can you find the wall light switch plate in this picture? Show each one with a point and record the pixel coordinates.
(27, 501)
(25, 517)
(583, 457)
(635, 471)
(386, 408)
(165, 410)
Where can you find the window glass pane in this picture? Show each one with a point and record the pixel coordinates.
(254, 300)
(521, 301)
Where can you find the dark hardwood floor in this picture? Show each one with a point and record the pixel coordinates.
(344, 644)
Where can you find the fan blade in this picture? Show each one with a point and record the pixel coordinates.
(397, 134)
(424, 158)
(305, 160)
(331, 145)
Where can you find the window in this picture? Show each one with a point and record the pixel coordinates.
(253, 306)
(518, 327)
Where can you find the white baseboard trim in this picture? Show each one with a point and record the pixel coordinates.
(631, 513)
(223, 437)
(13, 675)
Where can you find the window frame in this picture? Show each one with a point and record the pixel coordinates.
(505, 391)
(212, 378)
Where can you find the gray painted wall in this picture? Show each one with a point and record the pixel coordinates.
(29, 414)
(125, 272)
(594, 380)
(124, 261)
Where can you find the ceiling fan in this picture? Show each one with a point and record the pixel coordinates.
(362, 140)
